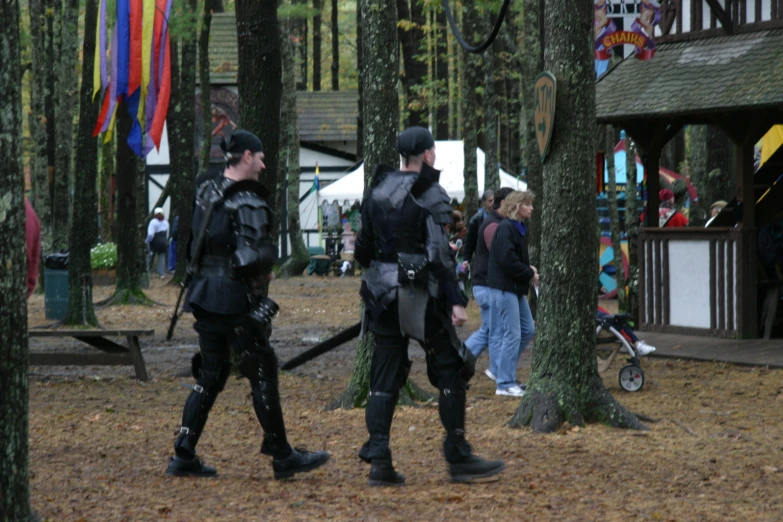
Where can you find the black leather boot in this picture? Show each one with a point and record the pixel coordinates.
(181, 467)
(299, 461)
(473, 467)
(382, 473)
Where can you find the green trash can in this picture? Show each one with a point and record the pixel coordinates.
(56, 285)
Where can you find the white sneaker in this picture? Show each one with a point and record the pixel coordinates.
(511, 391)
(642, 348)
(490, 375)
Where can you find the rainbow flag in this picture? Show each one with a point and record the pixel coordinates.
(140, 68)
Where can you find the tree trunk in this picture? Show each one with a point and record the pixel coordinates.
(470, 66)
(359, 69)
(14, 412)
(564, 384)
(415, 69)
(205, 86)
(318, 6)
(632, 223)
(65, 105)
(301, 45)
(258, 81)
(442, 117)
(181, 140)
(454, 84)
(106, 173)
(84, 229)
(53, 10)
(614, 218)
(491, 118)
(299, 258)
(379, 79)
(41, 200)
(131, 265)
(335, 48)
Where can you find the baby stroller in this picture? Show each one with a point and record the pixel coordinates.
(613, 335)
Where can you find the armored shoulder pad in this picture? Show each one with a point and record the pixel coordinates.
(436, 201)
(392, 191)
(245, 194)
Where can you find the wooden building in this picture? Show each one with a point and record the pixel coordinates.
(717, 62)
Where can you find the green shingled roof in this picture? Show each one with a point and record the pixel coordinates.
(322, 115)
(728, 73)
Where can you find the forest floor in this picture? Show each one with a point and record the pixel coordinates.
(100, 440)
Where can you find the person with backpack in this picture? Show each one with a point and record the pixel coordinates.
(158, 240)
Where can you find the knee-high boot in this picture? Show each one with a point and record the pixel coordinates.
(378, 418)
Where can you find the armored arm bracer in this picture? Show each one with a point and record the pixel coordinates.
(255, 253)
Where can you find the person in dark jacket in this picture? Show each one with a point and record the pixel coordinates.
(510, 275)
(483, 337)
(487, 202)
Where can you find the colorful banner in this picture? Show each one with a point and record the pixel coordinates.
(140, 70)
(643, 18)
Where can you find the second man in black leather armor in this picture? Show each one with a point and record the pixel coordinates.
(410, 290)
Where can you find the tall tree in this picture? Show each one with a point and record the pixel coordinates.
(205, 86)
(335, 47)
(318, 6)
(411, 33)
(64, 112)
(131, 262)
(442, 76)
(105, 192)
(360, 68)
(564, 383)
(491, 116)
(289, 155)
(84, 229)
(381, 112)
(182, 130)
(53, 12)
(470, 65)
(38, 159)
(301, 45)
(14, 484)
(258, 81)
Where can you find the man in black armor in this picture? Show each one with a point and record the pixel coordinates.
(410, 291)
(231, 262)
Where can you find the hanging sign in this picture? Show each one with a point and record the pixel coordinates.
(544, 117)
(645, 15)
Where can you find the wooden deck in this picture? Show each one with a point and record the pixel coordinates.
(756, 352)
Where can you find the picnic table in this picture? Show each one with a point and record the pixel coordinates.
(111, 353)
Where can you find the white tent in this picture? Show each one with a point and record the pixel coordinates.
(449, 159)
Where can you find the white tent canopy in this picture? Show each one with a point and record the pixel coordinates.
(449, 159)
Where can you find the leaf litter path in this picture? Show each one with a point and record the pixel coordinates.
(99, 440)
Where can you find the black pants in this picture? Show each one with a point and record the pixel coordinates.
(446, 370)
(218, 336)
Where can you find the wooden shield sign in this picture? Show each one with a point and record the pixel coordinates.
(545, 111)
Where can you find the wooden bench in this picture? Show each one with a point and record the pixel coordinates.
(113, 353)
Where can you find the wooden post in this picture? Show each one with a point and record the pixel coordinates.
(138, 360)
(747, 290)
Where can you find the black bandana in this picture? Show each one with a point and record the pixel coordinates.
(413, 141)
(239, 142)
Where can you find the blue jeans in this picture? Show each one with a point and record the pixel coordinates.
(487, 336)
(172, 255)
(515, 324)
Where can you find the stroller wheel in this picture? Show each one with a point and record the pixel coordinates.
(631, 378)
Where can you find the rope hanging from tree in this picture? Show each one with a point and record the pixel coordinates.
(465, 45)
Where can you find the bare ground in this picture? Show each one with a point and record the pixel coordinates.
(99, 440)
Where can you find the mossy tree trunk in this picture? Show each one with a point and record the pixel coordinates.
(614, 218)
(182, 131)
(359, 68)
(53, 9)
(318, 6)
(564, 384)
(259, 81)
(470, 65)
(106, 173)
(411, 35)
(65, 105)
(632, 224)
(491, 116)
(378, 76)
(41, 199)
(14, 412)
(131, 261)
(532, 62)
(335, 47)
(84, 229)
(289, 148)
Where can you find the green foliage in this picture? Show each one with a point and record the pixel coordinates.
(103, 256)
